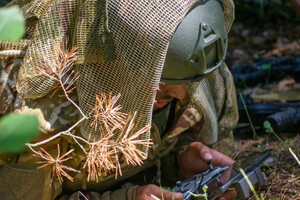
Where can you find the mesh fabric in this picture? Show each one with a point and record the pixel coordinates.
(141, 32)
(228, 9)
(214, 96)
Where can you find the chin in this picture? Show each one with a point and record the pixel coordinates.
(160, 104)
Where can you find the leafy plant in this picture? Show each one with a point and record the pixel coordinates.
(16, 130)
(12, 24)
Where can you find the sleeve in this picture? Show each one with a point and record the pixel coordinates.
(126, 192)
(170, 170)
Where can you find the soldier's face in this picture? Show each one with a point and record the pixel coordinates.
(166, 93)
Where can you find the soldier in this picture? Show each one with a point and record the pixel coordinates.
(172, 52)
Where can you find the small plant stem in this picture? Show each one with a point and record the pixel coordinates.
(275, 134)
(173, 194)
(83, 149)
(250, 184)
(294, 155)
(67, 133)
(249, 118)
(66, 94)
(155, 197)
(36, 152)
(204, 188)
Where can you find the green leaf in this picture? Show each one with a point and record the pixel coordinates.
(288, 142)
(267, 126)
(263, 148)
(266, 66)
(16, 130)
(12, 24)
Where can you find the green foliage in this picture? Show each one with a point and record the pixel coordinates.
(262, 149)
(12, 24)
(269, 129)
(288, 142)
(266, 66)
(204, 195)
(16, 130)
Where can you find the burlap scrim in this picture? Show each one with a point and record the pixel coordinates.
(136, 37)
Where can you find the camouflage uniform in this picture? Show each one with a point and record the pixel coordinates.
(56, 113)
(19, 176)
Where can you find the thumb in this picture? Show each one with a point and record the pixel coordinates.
(203, 151)
(170, 195)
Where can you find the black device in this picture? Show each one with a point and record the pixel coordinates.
(194, 184)
(283, 117)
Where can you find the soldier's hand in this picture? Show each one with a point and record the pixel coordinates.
(194, 160)
(149, 192)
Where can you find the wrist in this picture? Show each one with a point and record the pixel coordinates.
(179, 166)
(131, 193)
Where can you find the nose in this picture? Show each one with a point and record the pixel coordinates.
(177, 91)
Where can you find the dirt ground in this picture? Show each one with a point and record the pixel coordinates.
(264, 31)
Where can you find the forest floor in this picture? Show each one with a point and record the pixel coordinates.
(260, 33)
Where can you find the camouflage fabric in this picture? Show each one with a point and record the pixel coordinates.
(186, 117)
(56, 113)
(19, 176)
(9, 98)
(162, 146)
(21, 180)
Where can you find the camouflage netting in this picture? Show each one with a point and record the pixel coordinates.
(121, 49)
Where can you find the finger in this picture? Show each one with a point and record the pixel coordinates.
(170, 195)
(221, 159)
(228, 195)
(204, 152)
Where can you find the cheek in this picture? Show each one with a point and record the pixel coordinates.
(178, 93)
(159, 94)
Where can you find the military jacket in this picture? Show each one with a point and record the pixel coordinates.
(20, 173)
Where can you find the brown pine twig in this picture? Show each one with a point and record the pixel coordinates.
(58, 169)
(58, 66)
(104, 155)
(107, 114)
(129, 142)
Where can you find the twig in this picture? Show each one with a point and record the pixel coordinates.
(249, 118)
(67, 132)
(66, 94)
(294, 155)
(250, 184)
(103, 155)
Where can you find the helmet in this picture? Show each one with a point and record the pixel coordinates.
(198, 45)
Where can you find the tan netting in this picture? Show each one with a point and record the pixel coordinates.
(215, 97)
(8, 48)
(228, 8)
(141, 32)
